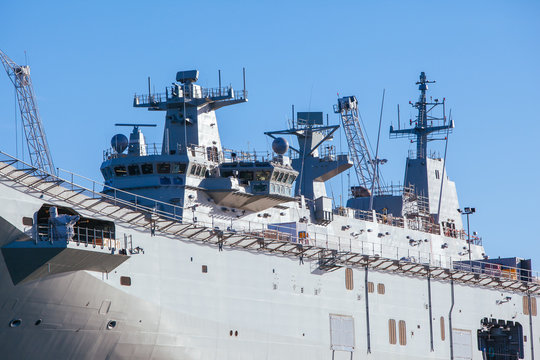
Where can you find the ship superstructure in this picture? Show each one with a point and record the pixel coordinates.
(192, 251)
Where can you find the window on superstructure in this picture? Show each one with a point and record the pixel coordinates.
(402, 333)
(280, 176)
(526, 306)
(437, 176)
(125, 280)
(178, 168)
(212, 154)
(291, 178)
(164, 168)
(442, 329)
(134, 170)
(370, 287)
(381, 289)
(120, 171)
(202, 171)
(246, 175)
(147, 168)
(392, 338)
(262, 175)
(275, 175)
(285, 177)
(349, 284)
(193, 170)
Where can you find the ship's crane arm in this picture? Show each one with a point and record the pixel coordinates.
(364, 165)
(38, 148)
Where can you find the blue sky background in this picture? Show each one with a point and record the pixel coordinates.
(89, 58)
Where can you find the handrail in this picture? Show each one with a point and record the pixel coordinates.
(346, 244)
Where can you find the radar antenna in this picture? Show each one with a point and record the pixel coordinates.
(38, 149)
(364, 165)
(424, 129)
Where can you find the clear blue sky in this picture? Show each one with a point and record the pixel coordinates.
(89, 58)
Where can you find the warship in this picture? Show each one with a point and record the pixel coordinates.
(188, 250)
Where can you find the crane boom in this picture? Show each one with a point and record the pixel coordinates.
(364, 165)
(38, 148)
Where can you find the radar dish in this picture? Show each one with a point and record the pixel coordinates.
(119, 143)
(280, 146)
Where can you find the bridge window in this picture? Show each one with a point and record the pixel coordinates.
(285, 178)
(262, 175)
(120, 171)
(178, 168)
(246, 175)
(280, 176)
(202, 171)
(147, 168)
(291, 178)
(163, 168)
(134, 170)
(275, 175)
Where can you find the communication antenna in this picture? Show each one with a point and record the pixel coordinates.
(376, 160)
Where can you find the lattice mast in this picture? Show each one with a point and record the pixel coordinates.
(38, 148)
(424, 130)
(364, 165)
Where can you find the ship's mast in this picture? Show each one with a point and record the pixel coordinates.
(424, 128)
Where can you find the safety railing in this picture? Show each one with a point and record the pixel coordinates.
(352, 241)
(83, 235)
(191, 92)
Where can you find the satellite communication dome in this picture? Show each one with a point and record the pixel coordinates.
(280, 146)
(119, 143)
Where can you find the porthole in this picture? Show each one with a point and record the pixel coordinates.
(38, 322)
(230, 333)
(111, 324)
(15, 323)
(236, 333)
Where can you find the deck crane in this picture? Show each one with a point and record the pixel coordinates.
(38, 149)
(364, 164)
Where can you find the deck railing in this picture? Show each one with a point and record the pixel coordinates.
(350, 242)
